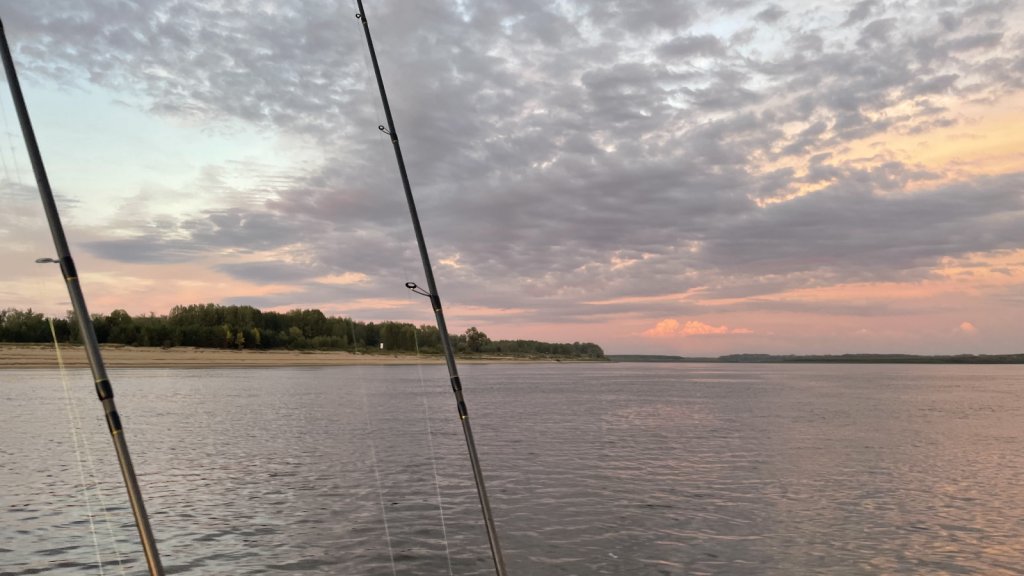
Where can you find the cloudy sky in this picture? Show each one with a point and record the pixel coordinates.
(660, 176)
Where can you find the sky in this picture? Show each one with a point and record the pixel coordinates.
(659, 176)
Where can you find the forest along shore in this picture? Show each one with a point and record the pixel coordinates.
(42, 356)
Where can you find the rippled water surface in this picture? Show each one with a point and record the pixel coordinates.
(593, 469)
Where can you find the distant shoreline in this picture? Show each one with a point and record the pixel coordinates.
(14, 356)
(827, 359)
(43, 356)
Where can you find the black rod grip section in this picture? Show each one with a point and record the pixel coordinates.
(104, 390)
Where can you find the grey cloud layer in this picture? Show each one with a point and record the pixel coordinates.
(571, 152)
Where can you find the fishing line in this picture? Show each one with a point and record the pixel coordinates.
(382, 142)
(433, 457)
(376, 473)
(368, 85)
(76, 422)
(3, 156)
(373, 457)
(426, 411)
(104, 390)
(79, 439)
(382, 145)
(430, 291)
(10, 143)
(78, 452)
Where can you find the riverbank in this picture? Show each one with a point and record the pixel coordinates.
(42, 356)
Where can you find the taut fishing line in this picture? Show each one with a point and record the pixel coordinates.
(10, 144)
(430, 291)
(104, 390)
(376, 474)
(78, 451)
(78, 438)
(382, 145)
(82, 446)
(83, 450)
(433, 457)
(366, 405)
(371, 98)
(13, 152)
(3, 156)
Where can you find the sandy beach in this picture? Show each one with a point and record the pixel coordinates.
(42, 356)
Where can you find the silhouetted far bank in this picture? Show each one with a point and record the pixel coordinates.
(213, 326)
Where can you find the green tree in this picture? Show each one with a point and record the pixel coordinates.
(476, 340)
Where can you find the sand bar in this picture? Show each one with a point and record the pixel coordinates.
(42, 356)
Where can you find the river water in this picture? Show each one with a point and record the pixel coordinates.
(593, 469)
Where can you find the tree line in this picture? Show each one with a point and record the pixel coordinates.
(246, 327)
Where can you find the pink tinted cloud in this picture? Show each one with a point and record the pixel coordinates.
(670, 327)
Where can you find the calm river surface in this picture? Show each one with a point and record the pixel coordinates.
(593, 469)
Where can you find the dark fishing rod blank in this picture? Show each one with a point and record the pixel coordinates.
(92, 348)
(435, 302)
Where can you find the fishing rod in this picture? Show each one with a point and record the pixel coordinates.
(92, 348)
(435, 302)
